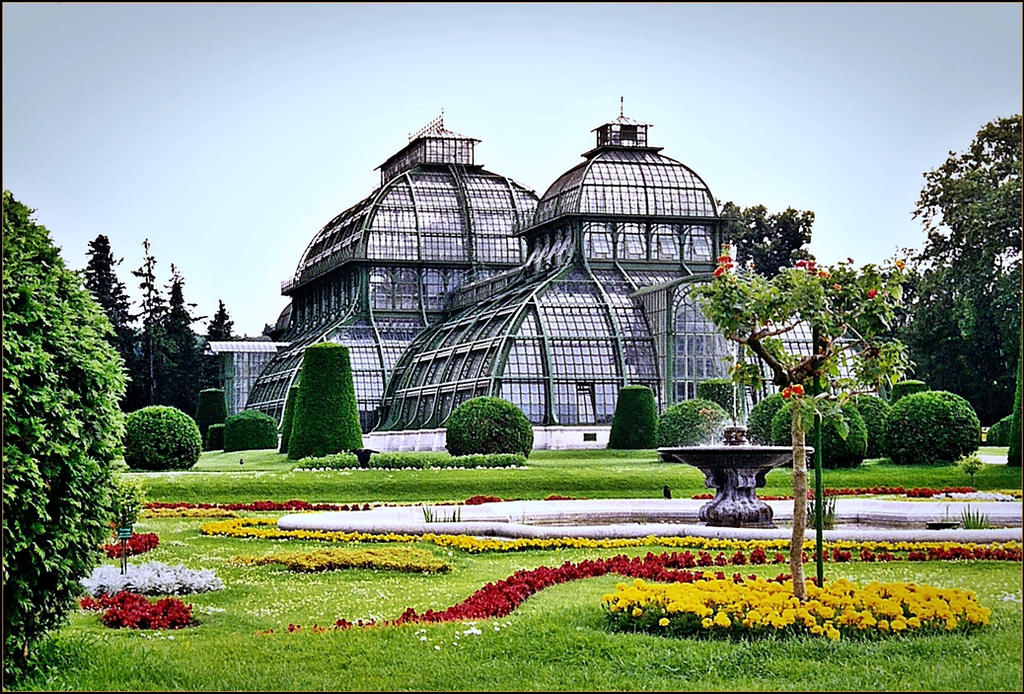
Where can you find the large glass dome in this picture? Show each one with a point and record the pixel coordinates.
(380, 272)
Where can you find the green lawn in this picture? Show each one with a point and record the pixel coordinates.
(556, 640)
(590, 474)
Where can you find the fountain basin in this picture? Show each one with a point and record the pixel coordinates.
(735, 473)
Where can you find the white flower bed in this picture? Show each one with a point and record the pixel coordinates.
(974, 496)
(154, 578)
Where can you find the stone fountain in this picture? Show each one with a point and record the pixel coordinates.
(734, 470)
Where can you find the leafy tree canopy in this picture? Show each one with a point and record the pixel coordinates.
(770, 241)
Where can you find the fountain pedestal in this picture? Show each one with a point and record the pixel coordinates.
(735, 473)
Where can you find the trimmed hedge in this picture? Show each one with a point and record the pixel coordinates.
(249, 430)
(932, 426)
(326, 417)
(719, 390)
(61, 430)
(904, 388)
(215, 437)
(836, 452)
(419, 460)
(875, 412)
(999, 433)
(1013, 456)
(211, 409)
(759, 421)
(691, 422)
(286, 420)
(161, 438)
(635, 424)
(488, 425)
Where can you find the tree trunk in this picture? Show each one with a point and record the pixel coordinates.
(796, 543)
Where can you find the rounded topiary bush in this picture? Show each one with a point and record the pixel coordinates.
(161, 438)
(249, 430)
(691, 422)
(836, 452)
(326, 417)
(635, 424)
(215, 437)
(999, 433)
(904, 388)
(488, 425)
(931, 427)
(288, 418)
(211, 409)
(875, 413)
(719, 390)
(759, 421)
(61, 431)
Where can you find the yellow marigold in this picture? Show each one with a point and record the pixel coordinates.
(707, 623)
(637, 612)
(722, 620)
(663, 622)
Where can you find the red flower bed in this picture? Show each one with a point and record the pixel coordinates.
(137, 544)
(559, 497)
(125, 610)
(926, 492)
(292, 505)
(919, 492)
(481, 499)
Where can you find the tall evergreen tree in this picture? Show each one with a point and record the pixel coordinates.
(151, 358)
(180, 386)
(109, 291)
(220, 325)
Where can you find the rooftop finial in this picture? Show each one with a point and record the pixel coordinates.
(436, 124)
(621, 107)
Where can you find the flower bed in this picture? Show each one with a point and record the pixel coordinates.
(137, 544)
(393, 558)
(413, 461)
(153, 578)
(740, 552)
(188, 513)
(915, 493)
(757, 607)
(134, 611)
(292, 505)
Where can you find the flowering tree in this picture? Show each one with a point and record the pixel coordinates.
(849, 311)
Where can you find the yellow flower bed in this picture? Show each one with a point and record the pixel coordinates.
(267, 528)
(757, 606)
(188, 513)
(393, 558)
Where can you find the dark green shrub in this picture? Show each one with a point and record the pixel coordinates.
(635, 424)
(690, 423)
(836, 452)
(759, 422)
(420, 460)
(999, 433)
(488, 425)
(215, 437)
(161, 438)
(326, 418)
(249, 430)
(930, 427)
(289, 415)
(875, 412)
(61, 431)
(1013, 456)
(719, 390)
(211, 409)
(905, 388)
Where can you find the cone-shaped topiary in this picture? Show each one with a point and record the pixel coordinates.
(875, 412)
(721, 391)
(931, 427)
(488, 425)
(904, 388)
(1013, 456)
(61, 431)
(215, 437)
(836, 452)
(249, 430)
(289, 415)
(759, 421)
(326, 418)
(635, 424)
(161, 438)
(211, 409)
(691, 422)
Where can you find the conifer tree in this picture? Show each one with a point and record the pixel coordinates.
(181, 383)
(109, 292)
(151, 358)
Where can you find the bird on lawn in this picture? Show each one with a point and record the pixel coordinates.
(666, 492)
(241, 461)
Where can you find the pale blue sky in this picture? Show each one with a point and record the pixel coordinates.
(229, 134)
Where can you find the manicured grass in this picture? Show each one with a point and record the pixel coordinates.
(218, 477)
(556, 640)
(993, 450)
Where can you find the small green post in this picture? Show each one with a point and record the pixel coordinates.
(819, 501)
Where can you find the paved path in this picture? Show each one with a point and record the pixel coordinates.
(856, 519)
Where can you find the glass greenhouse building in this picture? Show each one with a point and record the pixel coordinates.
(451, 282)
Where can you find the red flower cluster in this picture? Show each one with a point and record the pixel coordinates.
(790, 391)
(724, 264)
(872, 293)
(292, 505)
(559, 497)
(926, 492)
(481, 499)
(808, 265)
(134, 611)
(137, 544)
